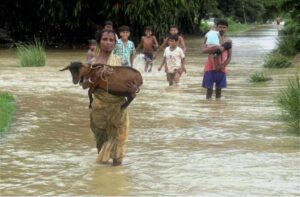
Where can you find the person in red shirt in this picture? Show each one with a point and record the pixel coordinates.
(217, 75)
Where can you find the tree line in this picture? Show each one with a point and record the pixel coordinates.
(75, 21)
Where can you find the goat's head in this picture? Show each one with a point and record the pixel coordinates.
(78, 71)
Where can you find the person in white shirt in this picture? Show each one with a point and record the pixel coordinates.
(173, 61)
(212, 39)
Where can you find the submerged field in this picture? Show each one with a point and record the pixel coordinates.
(179, 143)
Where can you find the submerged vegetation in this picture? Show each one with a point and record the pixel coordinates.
(289, 101)
(276, 60)
(32, 54)
(289, 40)
(258, 77)
(7, 108)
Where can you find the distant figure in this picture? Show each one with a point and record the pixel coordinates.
(110, 26)
(148, 42)
(173, 61)
(124, 47)
(212, 39)
(173, 31)
(217, 76)
(277, 21)
(92, 49)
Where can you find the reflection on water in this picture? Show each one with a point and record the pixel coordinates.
(179, 143)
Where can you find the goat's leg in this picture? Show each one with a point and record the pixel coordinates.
(129, 100)
(90, 98)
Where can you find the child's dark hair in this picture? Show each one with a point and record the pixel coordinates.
(124, 28)
(222, 22)
(148, 28)
(108, 23)
(92, 41)
(173, 37)
(173, 26)
(100, 34)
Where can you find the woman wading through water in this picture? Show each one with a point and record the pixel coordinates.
(108, 121)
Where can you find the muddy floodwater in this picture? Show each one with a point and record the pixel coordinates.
(179, 143)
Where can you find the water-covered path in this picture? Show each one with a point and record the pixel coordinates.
(179, 143)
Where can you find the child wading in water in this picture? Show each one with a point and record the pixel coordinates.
(148, 42)
(173, 61)
(124, 47)
(92, 49)
(173, 31)
(212, 39)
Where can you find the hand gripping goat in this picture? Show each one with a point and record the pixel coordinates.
(116, 80)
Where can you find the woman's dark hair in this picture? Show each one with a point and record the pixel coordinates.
(99, 34)
(222, 22)
(173, 37)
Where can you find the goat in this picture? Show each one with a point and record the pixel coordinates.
(116, 80)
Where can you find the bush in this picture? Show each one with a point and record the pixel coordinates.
(204, 27)
(287, 45)
(289, 101)
(289, 41)
(276, 60)
(7, 109)
(32, 54)
(258, 77)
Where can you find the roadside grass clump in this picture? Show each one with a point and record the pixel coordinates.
(287, 45)
(31, 54)
(258, 77)
(289, 39)
(289, 102)
(7, 108)
(235, 27)
(276, 60)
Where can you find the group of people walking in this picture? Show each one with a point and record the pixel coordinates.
(108, 121)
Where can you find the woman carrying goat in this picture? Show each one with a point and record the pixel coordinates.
(108, 121)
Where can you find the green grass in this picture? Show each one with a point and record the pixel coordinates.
(289, 39)
(235, 27)
(7, 108)
(204, 27)
(287, 45)
(258, 77)
(289, 102)
(32, 54)
(276, 60)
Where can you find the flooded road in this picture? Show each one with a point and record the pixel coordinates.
(179, 143)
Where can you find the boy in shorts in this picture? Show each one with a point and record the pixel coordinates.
(148, 42)
(173, 31)
(124, 47)
(173, 61)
